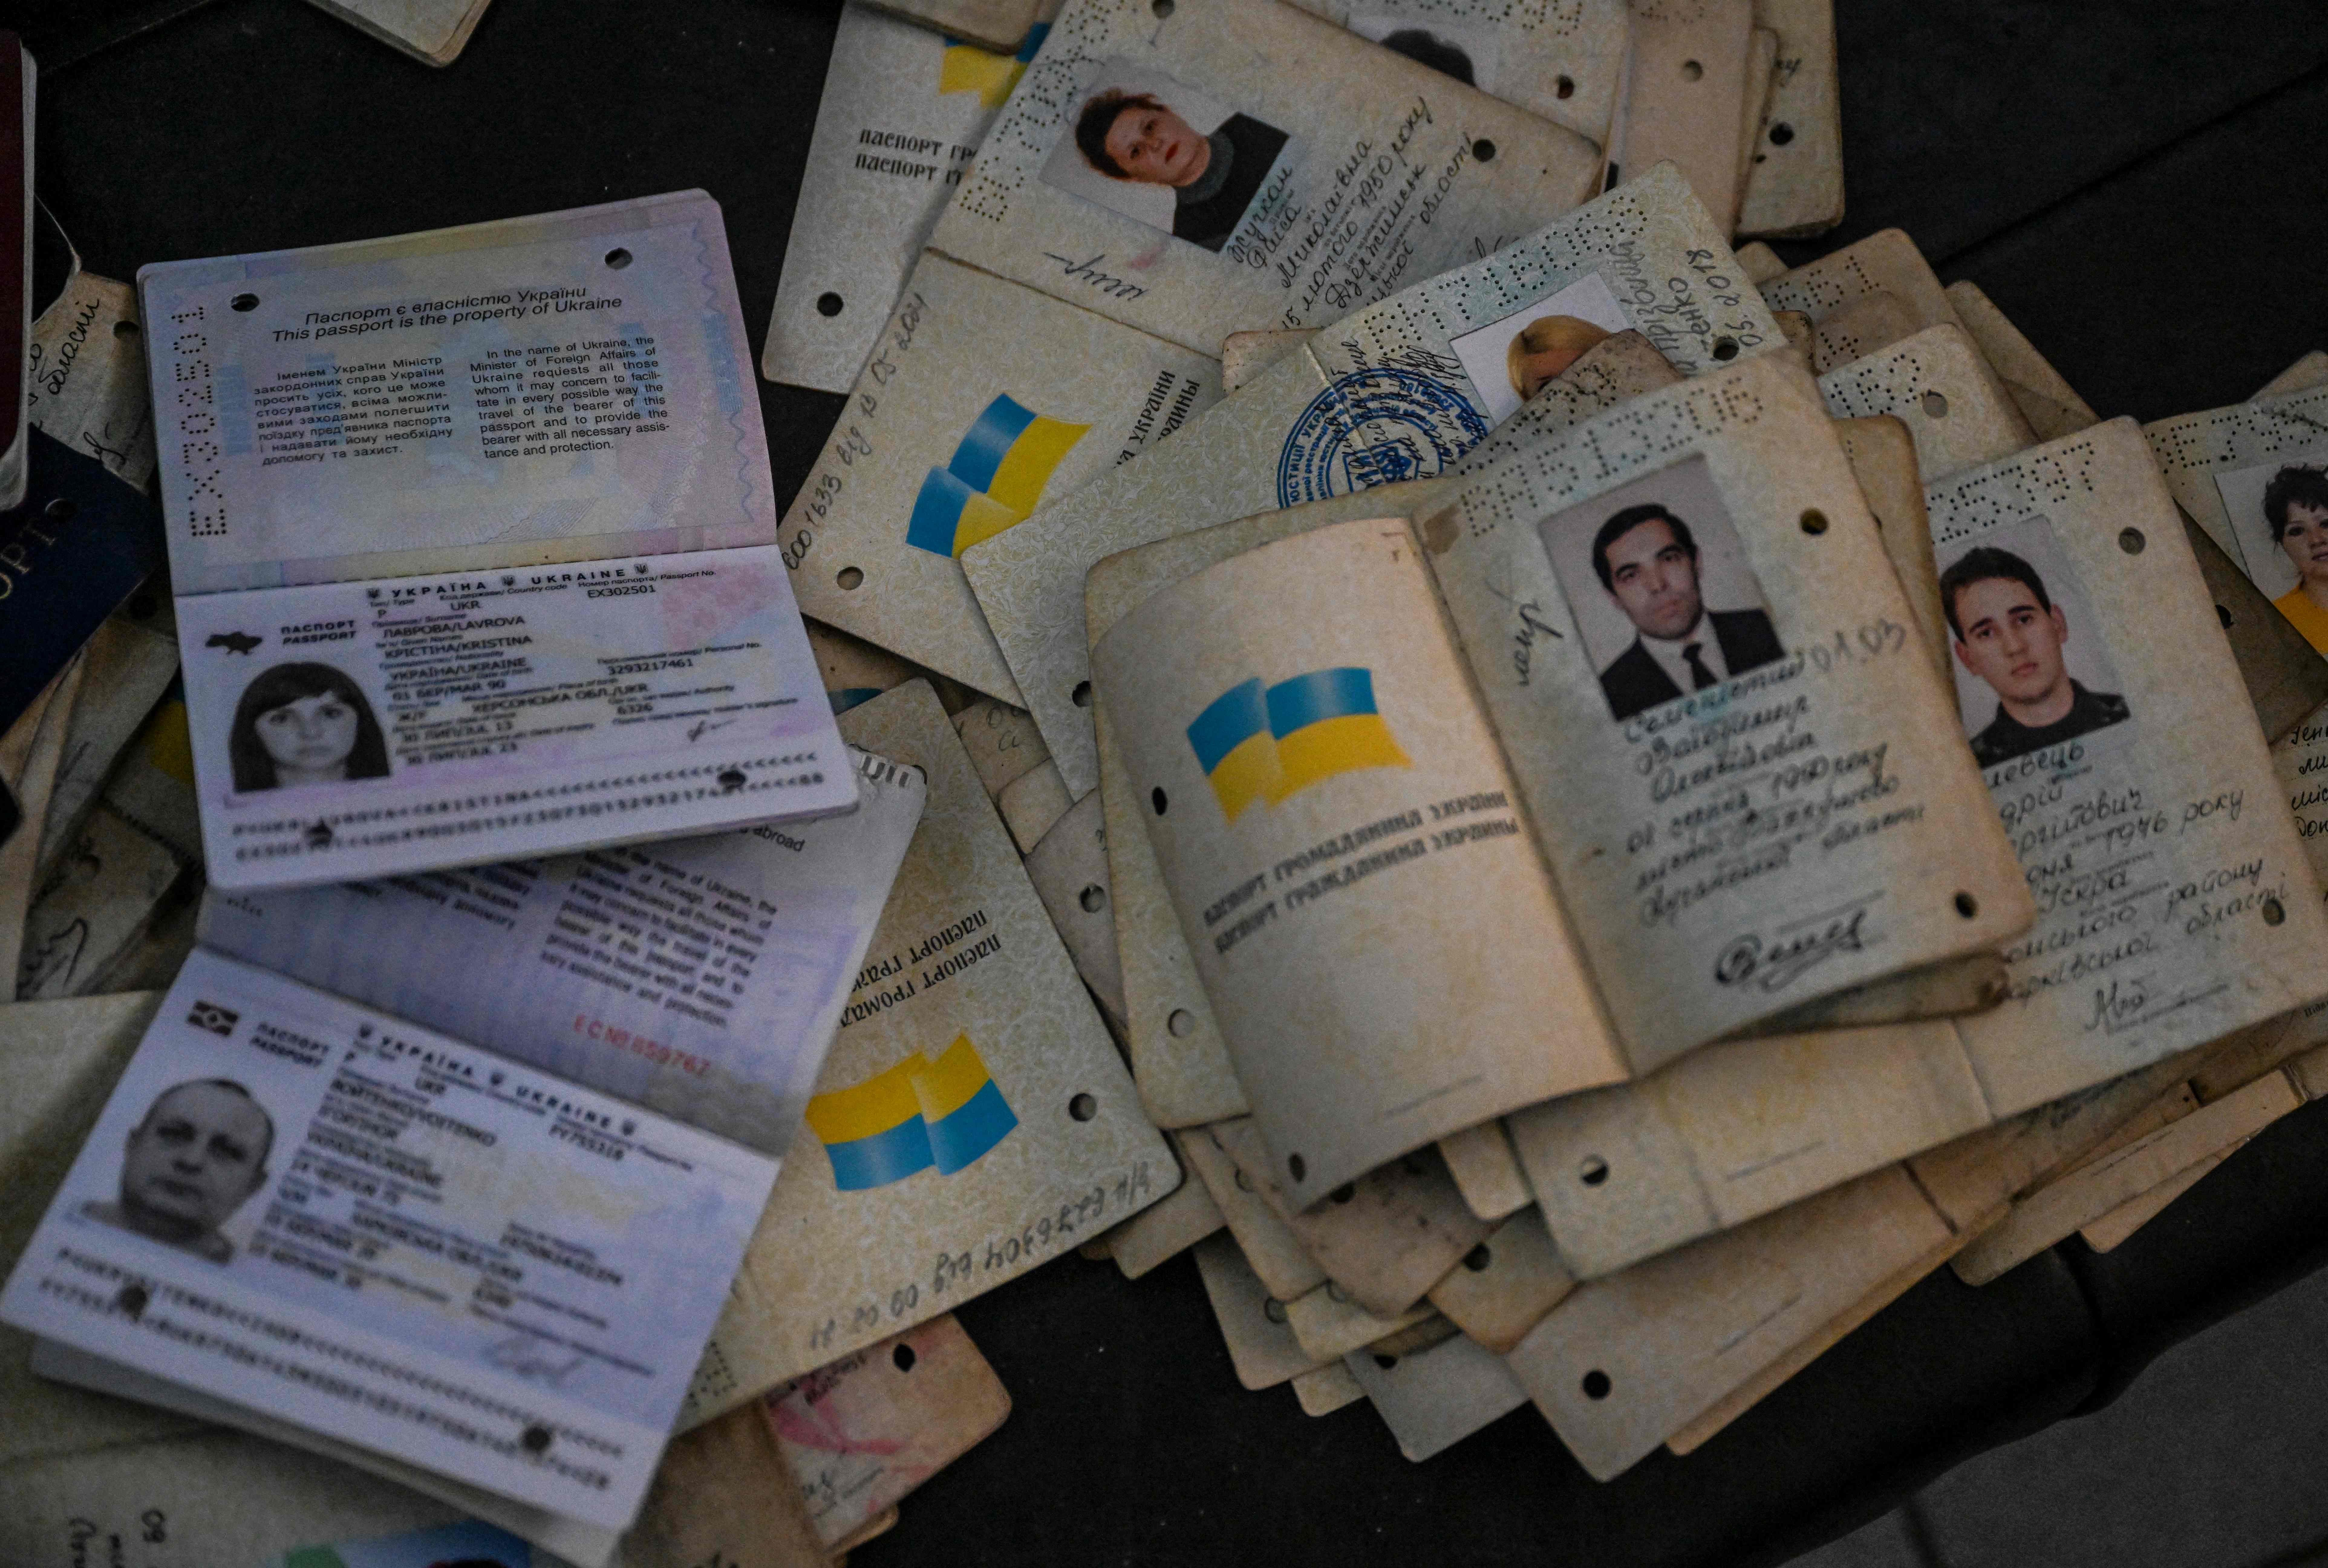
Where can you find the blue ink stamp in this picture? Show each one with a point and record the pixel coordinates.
(1375, 427)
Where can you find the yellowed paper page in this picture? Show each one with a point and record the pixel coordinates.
(1625, 1362)
(1684, 98)
(864, 1432)
(1032, 804)
(966, 975)
(724, 1495)
(981, 399)
(1760, 263)
(2112, 1230)
(1385, 1238)
(1069, 870)
(1276, 1256)
(1967, 1183)
(1883, 460)
(1506, 1283)
(2179, 907)
(1752, 1391)
(1165, 1230)
(1860, 805)
(1329, 1325)
(1261, 1347)
(1323, 1390)
(1885, 262)
(1854, 331)
(1937, 385)
(1398, 789)
(1178, 1059)
(1245, 354)
(1003, 743)
(1283, 138)
(1739, 1130)
(2102, 1185)
(2052, 406)
(1486, 1171)
(1182, 1066)
(1794, 181)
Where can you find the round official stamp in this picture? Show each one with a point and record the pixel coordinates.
(1375, 426)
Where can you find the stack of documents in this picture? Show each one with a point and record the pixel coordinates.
(1567, 808)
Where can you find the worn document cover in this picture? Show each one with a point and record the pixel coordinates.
(1401, 390)
(474, 540)
(2175, 901)
(1238, 164)
(981, 399)
(2255, 476)
(1151, 186)
(902, 114)
(972, 1121)
(1815, 774)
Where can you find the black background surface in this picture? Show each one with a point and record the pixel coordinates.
(2138, 185)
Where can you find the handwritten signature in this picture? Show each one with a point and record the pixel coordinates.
(1776, 962)
(703, 727)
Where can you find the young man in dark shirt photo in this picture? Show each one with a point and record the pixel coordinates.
(2009, 632)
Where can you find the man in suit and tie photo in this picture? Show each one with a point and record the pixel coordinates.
(1647, 559)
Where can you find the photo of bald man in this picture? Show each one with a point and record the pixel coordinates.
(197, 1155)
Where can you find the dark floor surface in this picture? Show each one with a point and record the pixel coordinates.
(2137, 184)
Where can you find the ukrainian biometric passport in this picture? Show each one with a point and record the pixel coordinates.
(473, 533)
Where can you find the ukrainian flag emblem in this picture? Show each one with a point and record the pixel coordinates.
(917, 1114)
(1264, 743)
(996, 478)
(967, 68)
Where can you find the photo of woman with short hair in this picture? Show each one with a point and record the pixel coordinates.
(1139, 138)
(303, 724)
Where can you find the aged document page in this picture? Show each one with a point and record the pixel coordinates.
(1317, 777)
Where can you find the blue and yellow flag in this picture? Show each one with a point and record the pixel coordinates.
(995, 479)
(1263, 745)
(1236, 749)
(1326, 723)
(967, 68)
(917, 1114)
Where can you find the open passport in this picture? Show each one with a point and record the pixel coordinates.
(476, 1235)
(1600, 862)
(474, 540)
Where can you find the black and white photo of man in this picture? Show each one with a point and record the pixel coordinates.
(199, 1152)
